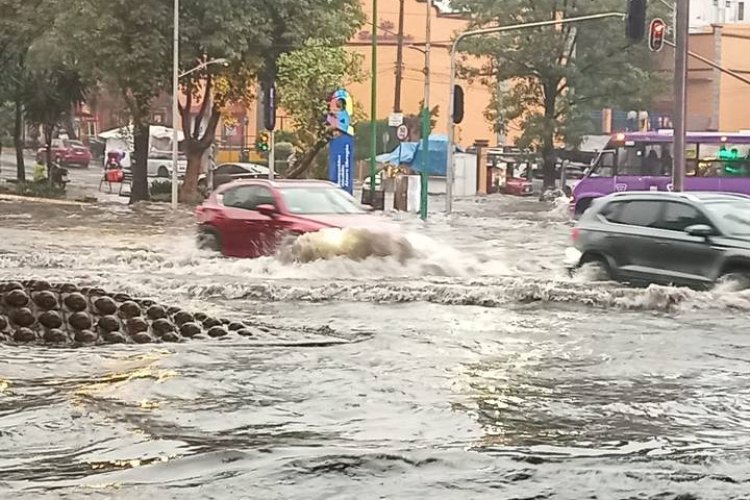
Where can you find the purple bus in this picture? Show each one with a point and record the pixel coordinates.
(642, 161)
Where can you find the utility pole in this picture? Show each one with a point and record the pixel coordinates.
(374, 103)
(682, 30)
(424, 177)
(399, 58)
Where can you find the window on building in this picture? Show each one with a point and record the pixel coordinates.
(740, 11)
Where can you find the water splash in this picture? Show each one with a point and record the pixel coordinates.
(353, 243)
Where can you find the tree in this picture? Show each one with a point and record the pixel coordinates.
(128, 47)
(306, 78)
(254, 35)
(125, 45)
(21, 24)
(51, 94)
(555, 74)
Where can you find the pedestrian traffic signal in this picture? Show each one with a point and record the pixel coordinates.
(261, 143)
(458, 104)
(656, 35)
(636, 21)
(269, 106)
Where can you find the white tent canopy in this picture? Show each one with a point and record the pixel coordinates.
(121, 139)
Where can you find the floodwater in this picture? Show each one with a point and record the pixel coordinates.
(477, 370)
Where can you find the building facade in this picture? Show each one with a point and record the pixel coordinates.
(704, 13)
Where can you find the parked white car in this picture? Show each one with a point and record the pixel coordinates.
(161, 166)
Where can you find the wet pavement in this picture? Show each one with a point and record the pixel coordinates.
(477, 370)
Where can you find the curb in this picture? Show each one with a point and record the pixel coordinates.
(49, 201)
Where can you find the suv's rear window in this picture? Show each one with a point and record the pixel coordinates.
(633, 213)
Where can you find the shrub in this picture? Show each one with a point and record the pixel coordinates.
(161, 190)
(40, 189)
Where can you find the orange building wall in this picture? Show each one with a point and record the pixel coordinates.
(735, 95)
(477, 96)
(700, 90)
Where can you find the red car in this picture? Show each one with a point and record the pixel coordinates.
(251, 218)
(66, 153)
(518, 186)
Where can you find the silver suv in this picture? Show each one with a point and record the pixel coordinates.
(694, 238)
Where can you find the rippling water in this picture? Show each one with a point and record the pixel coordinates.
(478, 370)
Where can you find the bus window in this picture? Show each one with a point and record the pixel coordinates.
(644, 159)
(724, 160)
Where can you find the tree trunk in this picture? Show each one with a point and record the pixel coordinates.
(48, 151)
(18, 142)
(196, 143)
(189, 190)
(139, 165)
(304, 163)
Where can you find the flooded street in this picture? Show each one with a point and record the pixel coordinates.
(478, 370)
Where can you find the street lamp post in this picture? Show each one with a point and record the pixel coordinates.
(374, 103)
(423, 177)
(450, 171)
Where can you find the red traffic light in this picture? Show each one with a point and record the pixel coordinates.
(656, 33)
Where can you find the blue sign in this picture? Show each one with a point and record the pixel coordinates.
(341, 161)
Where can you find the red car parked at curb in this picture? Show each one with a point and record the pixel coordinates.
(251, 218)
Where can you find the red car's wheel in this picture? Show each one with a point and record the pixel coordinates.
(208, 240)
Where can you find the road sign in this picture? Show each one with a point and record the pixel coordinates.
(395, 119)
(402, 132)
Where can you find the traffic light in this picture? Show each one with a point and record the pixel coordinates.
(656, 32)
(458, 104)
(261, 143)
(269, 106)
(636, 21)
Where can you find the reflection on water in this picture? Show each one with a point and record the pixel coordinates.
(478, 371)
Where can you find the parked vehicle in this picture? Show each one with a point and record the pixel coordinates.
(67, 153)
(59, 176)
(694, 239)
(228, 172)
(518, 186)
(251, 218)
(642, 161)
(159, 166)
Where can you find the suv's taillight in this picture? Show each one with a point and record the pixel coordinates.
(575, 234)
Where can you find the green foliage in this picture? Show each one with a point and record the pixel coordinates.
(161, 191)
(6, 124)
(125, 48)
(306, 78)
(161, 187)
(50, 95)
(549, 77)
(285, 136)
(39, 189)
